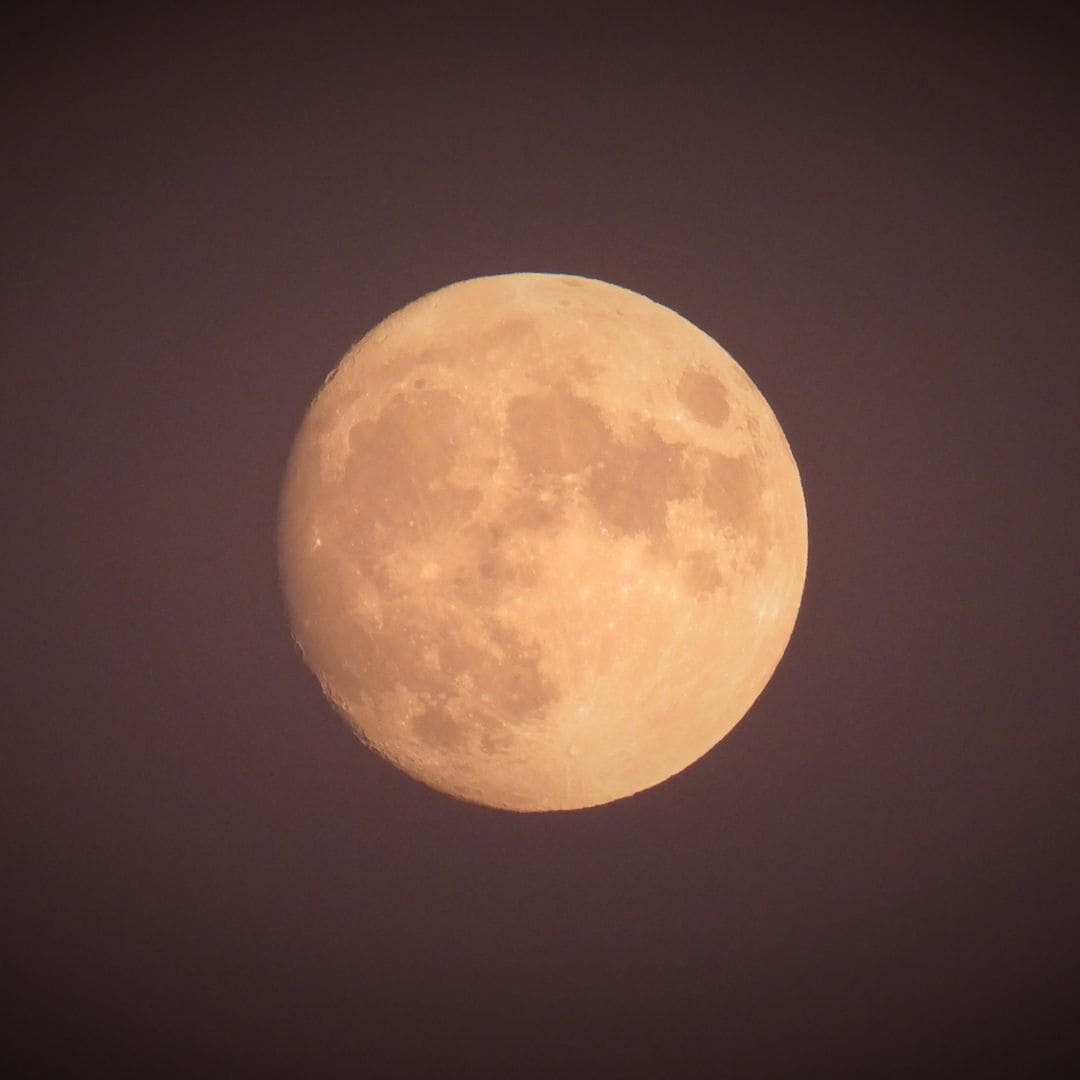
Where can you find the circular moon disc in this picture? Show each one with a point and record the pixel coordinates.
(542, 541)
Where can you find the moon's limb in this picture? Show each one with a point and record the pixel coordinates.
(542, 541)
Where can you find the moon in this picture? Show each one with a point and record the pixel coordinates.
(541, 540)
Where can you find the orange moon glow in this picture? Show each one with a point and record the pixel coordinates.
(542, 541)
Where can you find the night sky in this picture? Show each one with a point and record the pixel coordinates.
(204, 873)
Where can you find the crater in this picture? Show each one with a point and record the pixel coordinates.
(438, 729)
(705, 396)
(496, 737)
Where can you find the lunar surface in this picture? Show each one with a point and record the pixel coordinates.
(542, 541)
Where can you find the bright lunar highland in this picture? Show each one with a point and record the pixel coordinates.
(542, 541)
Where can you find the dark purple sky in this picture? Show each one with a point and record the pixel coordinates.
(205, 874)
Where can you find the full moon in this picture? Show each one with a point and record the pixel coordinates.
(541, 540)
